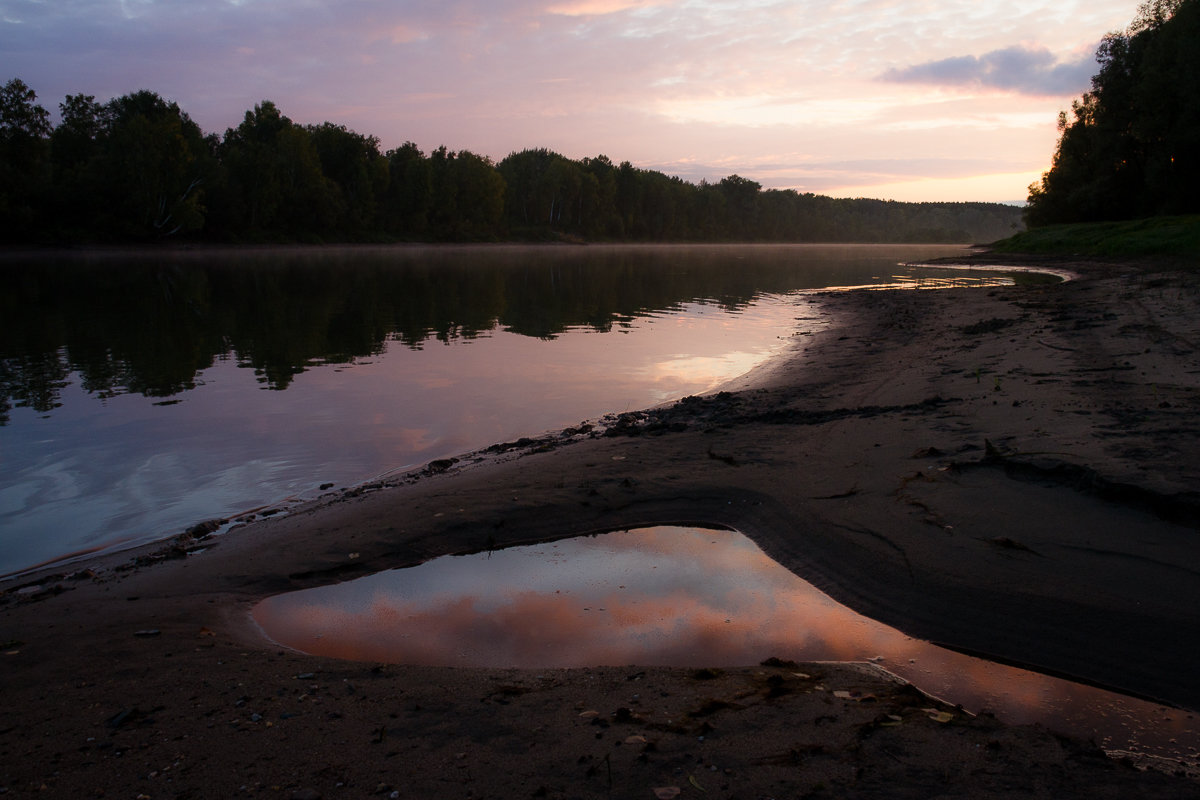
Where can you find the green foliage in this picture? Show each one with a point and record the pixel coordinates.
(468, 196)
(359, 175)
(75, 147)
(152, 167)
(24, 128)
(1131, 147)
(274, 183)
(408, 196)
(21, 119)
(1156, 236)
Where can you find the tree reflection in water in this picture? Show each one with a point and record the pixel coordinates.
(130, 402)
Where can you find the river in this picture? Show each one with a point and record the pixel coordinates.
(143, 392)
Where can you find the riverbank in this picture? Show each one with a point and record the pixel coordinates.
(1010, 472)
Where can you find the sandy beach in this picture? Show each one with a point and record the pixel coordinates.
(1009, 472)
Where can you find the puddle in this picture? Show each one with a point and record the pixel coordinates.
(682, 597)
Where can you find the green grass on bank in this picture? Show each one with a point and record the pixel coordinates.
(1156, 236)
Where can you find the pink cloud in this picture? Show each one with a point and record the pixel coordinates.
(654, 82)
(588, 8)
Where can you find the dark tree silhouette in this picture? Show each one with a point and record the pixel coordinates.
(24, 130)
(137, 168)
(1131, 146)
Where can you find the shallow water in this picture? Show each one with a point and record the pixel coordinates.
(675, 596)
(141, 395)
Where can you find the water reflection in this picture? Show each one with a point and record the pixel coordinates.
(151, 324)
(125, 469)
(672, 596)
(130, 402)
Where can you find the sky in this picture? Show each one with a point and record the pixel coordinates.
(916, 100)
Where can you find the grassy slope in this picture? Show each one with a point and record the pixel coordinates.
(1156, 236)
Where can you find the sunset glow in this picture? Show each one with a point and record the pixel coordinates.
(947, 100)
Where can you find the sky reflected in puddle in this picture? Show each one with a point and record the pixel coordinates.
(674, 596)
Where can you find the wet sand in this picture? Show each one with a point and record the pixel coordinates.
(1011, 473)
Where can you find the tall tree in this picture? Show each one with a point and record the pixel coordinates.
(468, 196)
(546, 189)
(741, 205)
(153, 163)
(75, 152)
(24, 146)
(408, 198)
(276, 186)
(600, 218)
(1130, 145)
(479, 191)
(358, 171)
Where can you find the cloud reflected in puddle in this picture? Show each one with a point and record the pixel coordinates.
(673, 597)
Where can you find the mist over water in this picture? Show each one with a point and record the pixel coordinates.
(140, 394)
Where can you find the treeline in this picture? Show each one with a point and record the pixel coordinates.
(137, 168)
(1131, 148)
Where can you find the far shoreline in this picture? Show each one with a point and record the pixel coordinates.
(18, 251)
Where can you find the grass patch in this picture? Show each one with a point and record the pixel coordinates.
(1155, 236)
(1034, 278)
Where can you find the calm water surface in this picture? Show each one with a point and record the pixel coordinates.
(142, 394)
(675, 596)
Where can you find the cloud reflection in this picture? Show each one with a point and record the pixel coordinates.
(657, 596)
(669, 596)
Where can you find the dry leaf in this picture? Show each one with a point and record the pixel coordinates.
(941, 716)
(635, 739)
(666, 792)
